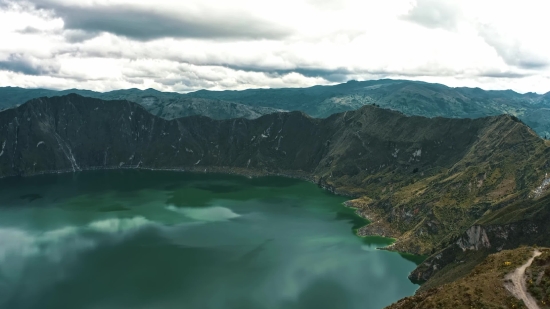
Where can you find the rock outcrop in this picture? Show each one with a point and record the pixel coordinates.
(475, 238)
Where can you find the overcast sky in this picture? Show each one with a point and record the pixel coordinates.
(188, 45)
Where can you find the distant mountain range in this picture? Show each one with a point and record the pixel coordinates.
(409, 97)
(168, 105)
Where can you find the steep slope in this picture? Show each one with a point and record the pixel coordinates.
(538, 279)
(73, 132)
(524, 222)
(483, 287)
(168, 105)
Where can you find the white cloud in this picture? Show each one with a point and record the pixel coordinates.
(190, 45)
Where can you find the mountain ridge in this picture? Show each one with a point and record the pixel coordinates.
(410, 97)
(168, 105)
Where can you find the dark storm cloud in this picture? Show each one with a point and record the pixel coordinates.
(503, 74)
(77, 36)
(446, 15)
(330, 75)
(19, 67)
(511, 51)
(19, 64)
(336, 76)
(30, 30)
(434, 14)
(146, 24)
(188, 83)
(531, 63)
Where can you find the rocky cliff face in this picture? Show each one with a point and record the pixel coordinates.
(517, 224)
(475, 238)
(73, 133)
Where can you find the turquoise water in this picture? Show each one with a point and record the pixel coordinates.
(142, 239)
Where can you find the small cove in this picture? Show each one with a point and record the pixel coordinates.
(156, 239)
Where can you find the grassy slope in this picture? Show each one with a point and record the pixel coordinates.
(482, 287)
(524, 222)
(489, 183)
(464, 171)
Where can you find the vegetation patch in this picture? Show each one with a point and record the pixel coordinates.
(483, 287)
(538, 279)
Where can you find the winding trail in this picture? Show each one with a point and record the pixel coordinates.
(517, 286)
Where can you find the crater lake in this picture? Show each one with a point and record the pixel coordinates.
(156, 239)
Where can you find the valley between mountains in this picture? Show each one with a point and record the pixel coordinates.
(454, 190)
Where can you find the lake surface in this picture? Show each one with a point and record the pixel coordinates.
(143, 239)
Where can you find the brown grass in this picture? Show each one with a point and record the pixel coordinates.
(482, 288)
(505, 188)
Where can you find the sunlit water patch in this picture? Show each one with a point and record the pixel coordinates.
(135, 239)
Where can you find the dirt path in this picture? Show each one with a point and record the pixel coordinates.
(517, 286)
